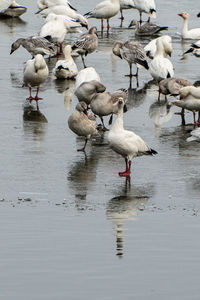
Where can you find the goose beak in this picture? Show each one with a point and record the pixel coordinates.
(11, 51)
(180, 14)
(125, 109)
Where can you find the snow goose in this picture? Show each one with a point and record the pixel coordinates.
(86, 75)
(86, 43)
(35, 73)
(105, 10)
(104, 104)
(42, 4)
(82, 123)
(146, 6)
(195, 135)
(188, 34)
(151, 48)
(195, 49)
(125, 142)
(11, 8)
(66, 68)
(66, 11)
(133, 52)
(146, 29)
(172, 86)
(54, 30)
(190, 100)
(160, 67)
(34, 45)
(125, 4)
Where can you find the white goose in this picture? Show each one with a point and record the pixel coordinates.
(42, 4)
(11, 8)
(160, 67)
(86, 75)
(126, 4)
(150, 48)
(105, 10)
(66, 68)
(188, 34)
(125, 142)
(35, 73)
(146, 6)
(195, 135)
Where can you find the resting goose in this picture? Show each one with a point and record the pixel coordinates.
(35, 73)
(105, 10)
(82, 123)
(172, 86)
(125, 142)
(188, 34)
(66, 68)
(160, 67)
(146, 6)
(86, 43)
(88, 89)
(133, 52)
(11, 9)
(86, 74)
(151, 47)
(34, 45)
(146, 29)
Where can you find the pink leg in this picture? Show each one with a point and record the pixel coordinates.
(127, 172)
(108, 26)
(36, 96)
(195, 123)
(102, 27)
(30, 98)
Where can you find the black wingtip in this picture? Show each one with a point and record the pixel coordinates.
(198, 15)
(189, 51)
(163, 28)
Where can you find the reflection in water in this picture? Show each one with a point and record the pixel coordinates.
(65, 86)
(160, 113)
(185, 46)
(12, 23)
(136, 97)
(127, 205)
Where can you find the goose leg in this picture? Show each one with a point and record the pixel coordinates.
(198, 121)
(108, 26)
(104, 127)
(83, 149)
(159, 95)
(30, 98)
(127, 172)
(130, 75)
(36, 96)
(194, 117)
(140, 18)
(102, 27)
(84, 65)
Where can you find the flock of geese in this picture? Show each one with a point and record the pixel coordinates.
(94, 100)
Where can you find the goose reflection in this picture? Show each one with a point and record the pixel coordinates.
(12, 23)
(160, 113)
(127, 205)
(136, 97)
(65, 86)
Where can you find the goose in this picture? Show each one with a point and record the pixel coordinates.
(190, 100)
(11, 8)
(66, 68)
(195, 135)
(105, 103)
(146, 29)
(151, 48)
(188, 34)
(86, 75)
(66, 11)
(34, 45)
(86, 43)
(42, 4)
(125, 4)
(125, 142)
(105, 10)
(146, 6)
(82, 123)
(88, 89)
(35, 73)
(133, 52)
(195, 49)
(160, 67)
(172, 86)
(54, 30)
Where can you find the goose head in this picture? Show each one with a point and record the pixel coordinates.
(82, 107)
(16, 45)
(93, 30)
(116, 48)
(184, 15)
(121, 105)
(82, 20)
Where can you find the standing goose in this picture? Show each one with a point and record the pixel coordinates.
(66, 68)
(146, 29)
(151, 47)
(160, 67)
(125, 4)
(88, 89)
(105, 10)
(133, 52)
(146, 6)
(86, 43)
(35, 73)
(34, 45)
(188, 34)
(82, 123)
(125, 142)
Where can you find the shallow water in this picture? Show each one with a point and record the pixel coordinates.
(71, 228)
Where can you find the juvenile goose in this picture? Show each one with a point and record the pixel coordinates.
(105, 10)
(188, 34)
(86, 43)
(82, 123)
(88, 89)
(151, 47)
(146, 6)
(172, 86)
(11, 8)
(34, 45)
(35, 73)
(160, 66)
(66, 68)
(125, 142)
(147, 29)
(133, 52)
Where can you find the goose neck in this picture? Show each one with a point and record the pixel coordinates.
(185, 27)
(119, 121)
